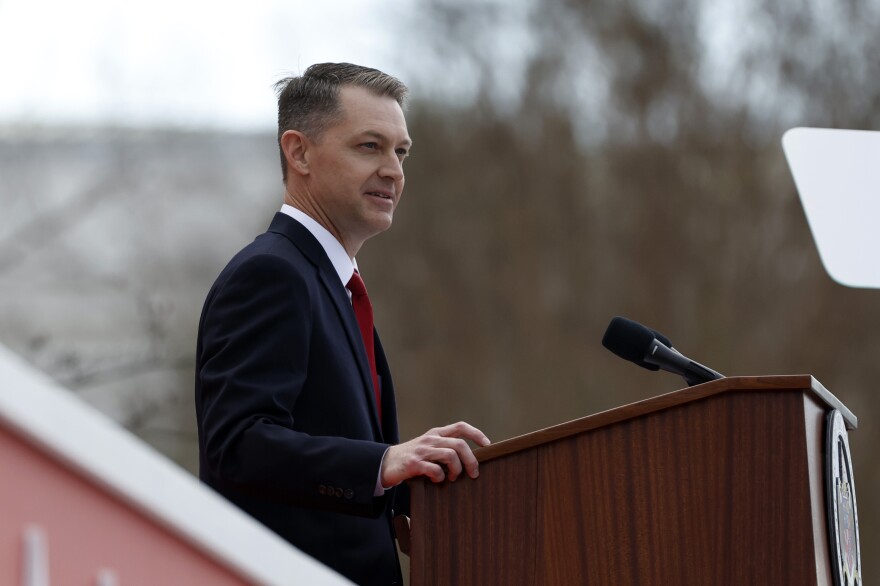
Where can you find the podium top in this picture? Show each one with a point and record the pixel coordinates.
(750, 384)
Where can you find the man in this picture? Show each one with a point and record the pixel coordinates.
(295, 403)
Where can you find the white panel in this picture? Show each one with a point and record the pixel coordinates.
(35, 570)
(106, 578)
(837, 173)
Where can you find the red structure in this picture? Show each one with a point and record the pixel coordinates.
(84, 502)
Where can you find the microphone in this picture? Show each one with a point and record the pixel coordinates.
(652, 350)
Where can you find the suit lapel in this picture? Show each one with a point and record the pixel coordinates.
(390, 432)
(312, 249)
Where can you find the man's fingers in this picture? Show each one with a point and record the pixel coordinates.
(464, 457)
(450, 457)
(441, 453)
(460, 456)
(463, 430)
(433, 471)
(468, 460)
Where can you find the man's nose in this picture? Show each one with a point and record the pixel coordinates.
(392, 167)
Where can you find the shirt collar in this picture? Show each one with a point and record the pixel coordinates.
(344, 265)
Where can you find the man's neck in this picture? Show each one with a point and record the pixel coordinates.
(307, 205)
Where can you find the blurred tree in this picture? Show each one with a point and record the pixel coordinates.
(109, 242)
(622, 158)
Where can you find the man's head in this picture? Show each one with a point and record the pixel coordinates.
(344, 149)
(309, 103)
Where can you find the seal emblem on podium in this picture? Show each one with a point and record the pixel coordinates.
(840, 496)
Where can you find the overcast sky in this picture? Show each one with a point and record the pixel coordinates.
(179, 62)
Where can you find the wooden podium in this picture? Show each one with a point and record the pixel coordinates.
(721, 483)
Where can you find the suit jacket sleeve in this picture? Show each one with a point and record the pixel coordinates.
(268, 430)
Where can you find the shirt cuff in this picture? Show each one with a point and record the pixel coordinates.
(380, 490)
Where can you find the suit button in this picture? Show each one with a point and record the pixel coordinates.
(349, 494)
(338, 493)
(322, 489)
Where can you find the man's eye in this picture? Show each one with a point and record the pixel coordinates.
(402, 153)
(370, 145)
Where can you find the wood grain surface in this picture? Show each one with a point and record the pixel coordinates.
(712, 485)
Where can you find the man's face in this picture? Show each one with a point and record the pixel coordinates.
(355, 177)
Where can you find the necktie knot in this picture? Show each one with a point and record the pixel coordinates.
(356, 285)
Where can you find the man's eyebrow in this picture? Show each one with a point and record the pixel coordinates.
(376, 134)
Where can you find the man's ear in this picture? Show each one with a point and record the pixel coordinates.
(294, 145)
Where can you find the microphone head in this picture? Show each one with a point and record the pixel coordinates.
(630, 340)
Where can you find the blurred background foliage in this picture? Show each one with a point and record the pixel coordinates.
(573, 161)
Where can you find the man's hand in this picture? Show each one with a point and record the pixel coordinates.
(431, 452)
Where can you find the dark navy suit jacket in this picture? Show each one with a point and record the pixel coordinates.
(288, 426)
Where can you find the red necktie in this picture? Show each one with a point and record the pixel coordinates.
(363, 311)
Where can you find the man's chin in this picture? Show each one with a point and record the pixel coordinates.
(377, 225)
(383, 222)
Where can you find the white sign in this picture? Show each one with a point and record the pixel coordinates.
(837, 173)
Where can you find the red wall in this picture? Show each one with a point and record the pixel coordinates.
(88, 529)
